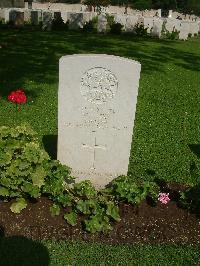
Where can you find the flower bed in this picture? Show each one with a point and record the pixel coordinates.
(36, 187)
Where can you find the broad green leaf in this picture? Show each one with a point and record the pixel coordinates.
(4, 192)
(113, 211)
(71, 218)
(5, 159)
(19, 205)
(85, 189)
(55, 210)
(65, 199)
(85, 205)
(38, 177)
(4, 181)
(32, 190)
(93, 225)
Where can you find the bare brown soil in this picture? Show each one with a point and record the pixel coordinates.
(145, 224)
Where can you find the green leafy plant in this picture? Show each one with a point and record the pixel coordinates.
(19, 205)
(125, 189)
(99, 208)
(190, 199)
(55, 210)
(59, 24)
(116, 28)
(174, 35)
(25, 166)
(110, 21)
(27, 171)
(140, 30)
(91, 26)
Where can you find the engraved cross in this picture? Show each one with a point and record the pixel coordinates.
(94, 148)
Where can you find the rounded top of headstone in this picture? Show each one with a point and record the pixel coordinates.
(111, 57)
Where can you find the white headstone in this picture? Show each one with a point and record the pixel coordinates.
(16, 16)
(157, 27)
(2, 14)
(120, 19)
(102, 23)
(148, 23)
(75, 21)
(27, 15)
(170, 24)
(47, 20)
(131, 21)
(159, 13)
(96, 111)
(36, 17)
(184, 30)
(194, 28)
(170, 14)
(65, 16)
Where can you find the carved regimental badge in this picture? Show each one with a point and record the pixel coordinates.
(98, 85)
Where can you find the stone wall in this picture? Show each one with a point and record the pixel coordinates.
(12, 3)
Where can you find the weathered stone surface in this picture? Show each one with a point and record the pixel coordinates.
(131, 21)
(120, 19)
(157, 27)
(15, 16)
(194, 28)
(75, 21)
(36, 17)
(184, 30)
(102, 23)
(97, 104)
(27, 15)
(148, 23)
(47, 20)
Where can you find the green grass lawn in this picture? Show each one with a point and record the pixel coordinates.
(167, 128)
(23, 252)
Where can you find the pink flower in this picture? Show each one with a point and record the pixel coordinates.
(164, 198)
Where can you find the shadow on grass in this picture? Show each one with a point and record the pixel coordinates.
(34, 55)
(50, 145)
(22, 251)
(195, 148)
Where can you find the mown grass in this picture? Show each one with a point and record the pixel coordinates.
(167, 128)
(102, 255)
(22, 252)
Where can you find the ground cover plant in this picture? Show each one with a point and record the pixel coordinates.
(166, 132)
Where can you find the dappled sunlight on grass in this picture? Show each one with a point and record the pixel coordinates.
(168, 109)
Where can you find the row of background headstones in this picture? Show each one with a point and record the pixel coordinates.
(78, 19)
(110, 9)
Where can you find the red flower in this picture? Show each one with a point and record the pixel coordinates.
(18, 97)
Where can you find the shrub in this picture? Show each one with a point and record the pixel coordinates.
(174, 35)
(24, 166)
(116, 28)
(58, 24)
(140, 30)
(91, 26)
(125, 189)
(110, 21)
(88, 26)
